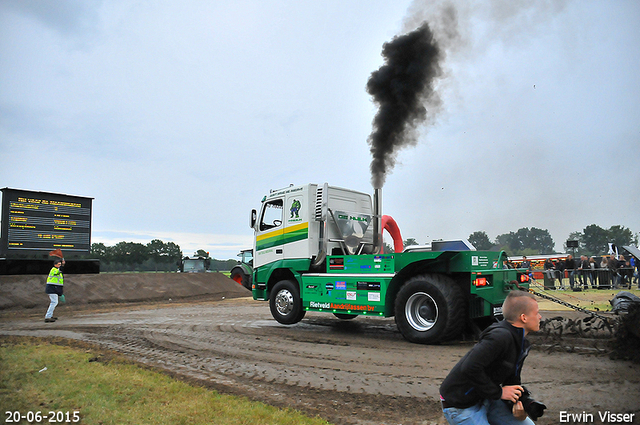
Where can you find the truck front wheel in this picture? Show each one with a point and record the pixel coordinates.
(285, 303)
(430, 308)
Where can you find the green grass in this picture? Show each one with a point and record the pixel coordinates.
(116, 391)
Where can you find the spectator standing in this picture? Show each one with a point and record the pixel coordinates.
(526, 264)
(605, 274)
(613, 272)
(550, 271)
(635, 264)
(629, 272)
(570, 266)
(583, 269)
(560, 265)
(624, 272)
(593, 274)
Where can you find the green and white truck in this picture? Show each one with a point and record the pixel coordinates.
(318, 248)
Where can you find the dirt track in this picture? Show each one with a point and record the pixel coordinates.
(349, 372)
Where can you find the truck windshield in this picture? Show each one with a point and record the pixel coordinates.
(272, 214)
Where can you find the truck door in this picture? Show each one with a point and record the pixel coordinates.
(296, 231)
(270, 233)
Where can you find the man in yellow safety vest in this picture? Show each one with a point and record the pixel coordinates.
(54, 288)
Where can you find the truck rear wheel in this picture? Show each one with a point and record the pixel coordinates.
(285, 303)
(430, 308)
(239, 276)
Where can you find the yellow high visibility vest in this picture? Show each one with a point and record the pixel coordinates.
(55, 277)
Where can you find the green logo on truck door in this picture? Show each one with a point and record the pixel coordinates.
(295, 208)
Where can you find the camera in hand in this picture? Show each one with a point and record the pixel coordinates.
(534, 408)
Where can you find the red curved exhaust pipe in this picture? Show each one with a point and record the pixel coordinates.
(390, 225)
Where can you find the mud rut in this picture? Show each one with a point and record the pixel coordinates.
(349, 372)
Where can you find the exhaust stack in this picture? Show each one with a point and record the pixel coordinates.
(377, 220)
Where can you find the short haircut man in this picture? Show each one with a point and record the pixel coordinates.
(489, 374)
(516, 304)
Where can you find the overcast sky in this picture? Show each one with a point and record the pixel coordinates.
(179, 116)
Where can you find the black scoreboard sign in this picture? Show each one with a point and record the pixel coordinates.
(39, 222)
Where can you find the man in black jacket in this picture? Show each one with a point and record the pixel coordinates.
(570, 266)
(477, 387)
(584, 270)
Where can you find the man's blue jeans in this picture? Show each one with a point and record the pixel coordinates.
(52, 305)
(572, 278)
(489, 412)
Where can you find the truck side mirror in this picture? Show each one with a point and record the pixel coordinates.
(254, 218)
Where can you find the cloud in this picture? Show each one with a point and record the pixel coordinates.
(69, 18)
(179, 117)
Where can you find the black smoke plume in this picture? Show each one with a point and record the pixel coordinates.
(401, 88)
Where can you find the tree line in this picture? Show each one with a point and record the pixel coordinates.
(153, 256)
(160, 256)
(524, 241)
(592, 240)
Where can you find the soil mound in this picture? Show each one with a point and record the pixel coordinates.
(27, 291)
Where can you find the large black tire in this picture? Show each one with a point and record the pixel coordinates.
(285, 303)
(430, 308)
(239, 276)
